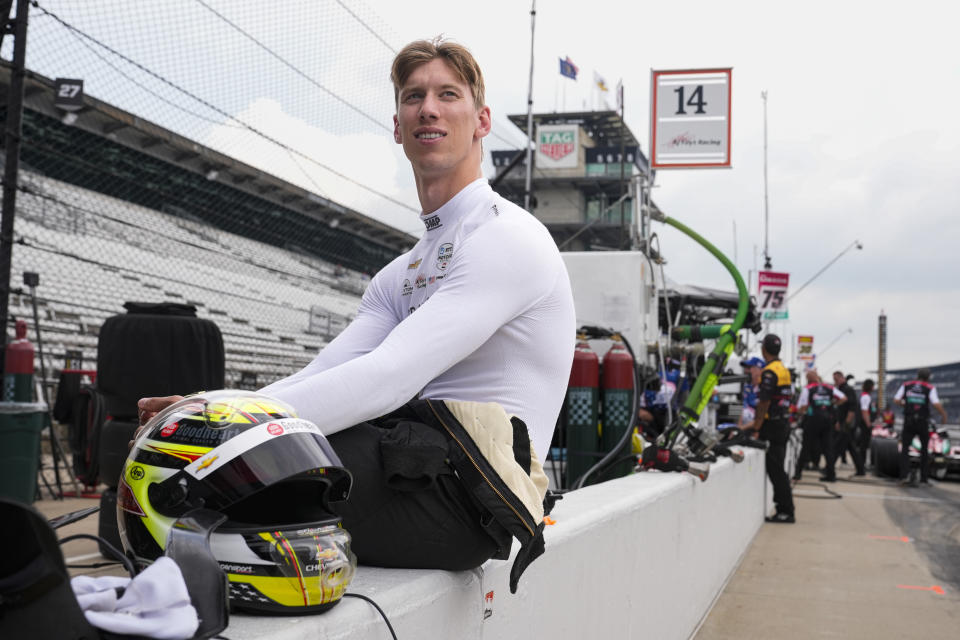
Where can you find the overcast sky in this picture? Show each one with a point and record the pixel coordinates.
(862, 143)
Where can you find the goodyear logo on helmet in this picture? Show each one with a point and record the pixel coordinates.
(557, 146)
(201, 435)
(444, 255)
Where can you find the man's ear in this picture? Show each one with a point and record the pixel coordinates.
(396, 130)
(484, 123)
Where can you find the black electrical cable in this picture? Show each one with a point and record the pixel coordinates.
(556, 463)
(95, 565)
(145, 88)
(632, 457)
(370, 600)
(207, 104)
(124, 560)
(273, 54)
(222, 254)
(831, 495)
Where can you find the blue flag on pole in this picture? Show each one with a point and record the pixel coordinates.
(568, 69)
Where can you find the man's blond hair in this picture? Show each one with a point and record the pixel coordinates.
(458, 57)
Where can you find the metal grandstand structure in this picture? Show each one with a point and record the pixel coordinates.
(114, 208)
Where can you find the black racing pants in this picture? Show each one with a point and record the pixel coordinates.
(844, 442)
(426, 522)
(817, 437)
(863, 441)
(810, 449)
(776, 432)
(921, 430)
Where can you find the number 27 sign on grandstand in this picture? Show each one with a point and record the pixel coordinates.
(690, 118)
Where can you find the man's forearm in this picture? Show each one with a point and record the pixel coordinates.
(941, 411)
(762, 407)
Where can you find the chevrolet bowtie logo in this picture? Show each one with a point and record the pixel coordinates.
(206, 463)
(414, 265)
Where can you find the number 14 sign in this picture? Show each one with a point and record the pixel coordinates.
(690, 118)
(772, 295)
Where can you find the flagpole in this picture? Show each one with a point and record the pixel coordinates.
(526, 191)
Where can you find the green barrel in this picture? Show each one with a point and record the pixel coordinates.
(17, 387)
(20, 427)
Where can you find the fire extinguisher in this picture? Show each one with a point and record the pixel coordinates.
(18, 367)
(582, 439)
(617, 402)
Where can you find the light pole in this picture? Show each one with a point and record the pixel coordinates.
(855, 243)
(766, 201)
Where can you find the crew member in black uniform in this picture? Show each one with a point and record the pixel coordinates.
(916, 397)
(773, 406)
(846, 424)
(866, 415)
(820, 400)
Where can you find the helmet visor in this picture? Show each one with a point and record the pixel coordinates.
(264, 455)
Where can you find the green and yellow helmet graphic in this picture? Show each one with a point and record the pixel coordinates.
(272, 474)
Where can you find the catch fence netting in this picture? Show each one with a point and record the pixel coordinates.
(234, 156)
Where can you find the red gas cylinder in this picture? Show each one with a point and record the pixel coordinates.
(618, 368)
(616, 400)
(585, 371)
(582, 413)
(18, 367)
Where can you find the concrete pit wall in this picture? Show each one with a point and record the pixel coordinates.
(640, 557)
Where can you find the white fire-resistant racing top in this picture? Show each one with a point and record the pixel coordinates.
(479, 310)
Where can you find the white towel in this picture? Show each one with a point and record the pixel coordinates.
(155, 604)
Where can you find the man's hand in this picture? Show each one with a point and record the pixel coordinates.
(149, 407)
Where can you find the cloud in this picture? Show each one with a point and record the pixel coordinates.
(371, 159)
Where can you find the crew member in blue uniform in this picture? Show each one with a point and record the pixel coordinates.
(748, 414)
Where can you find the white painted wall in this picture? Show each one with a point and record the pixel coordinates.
(639, 557)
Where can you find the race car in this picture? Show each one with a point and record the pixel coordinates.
(885, 453)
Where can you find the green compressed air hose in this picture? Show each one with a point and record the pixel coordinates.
(726, 336)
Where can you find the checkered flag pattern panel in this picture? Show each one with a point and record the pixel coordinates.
(247, 593)
(579, 403)
(616, 407)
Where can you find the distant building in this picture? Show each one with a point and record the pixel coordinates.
(583, 166)
(946, 377)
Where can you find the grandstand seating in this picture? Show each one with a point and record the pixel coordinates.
(94, 252)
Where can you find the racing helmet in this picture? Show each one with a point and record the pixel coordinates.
(272, 475)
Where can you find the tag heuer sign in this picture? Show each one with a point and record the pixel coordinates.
(68, 94)
(557, 146)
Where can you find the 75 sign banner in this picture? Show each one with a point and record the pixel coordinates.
(772, 295)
